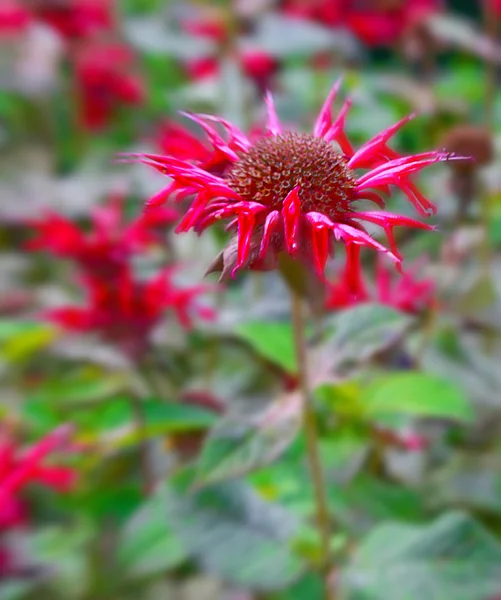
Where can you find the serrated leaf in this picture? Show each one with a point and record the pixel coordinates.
(273, 341)
(363, 330)
(416, 394)
(147, 546)
(233, 533)
(453, 557)
(237, 446)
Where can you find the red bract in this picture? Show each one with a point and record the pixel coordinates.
(126, 311)
(77, 18)
(19, 468)
(296, 192)
(14, 18)
(405, 292)
(105, 82)
(108, 245)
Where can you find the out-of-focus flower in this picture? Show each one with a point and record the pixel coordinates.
(260, 67)
(76, 18)
(295, 192)
(405, 292)
(374, 22)
(126, 311)
(20, 468)
(202, 68)
(327, 12)
(257, 65)
(214, 28)
(14, 18)
(105, 81)
(106, 248)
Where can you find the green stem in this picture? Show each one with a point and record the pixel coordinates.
(147, 471)
(311, 434)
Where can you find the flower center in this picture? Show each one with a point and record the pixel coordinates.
(274, 166)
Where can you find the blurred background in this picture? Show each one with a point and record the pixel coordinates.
(149, 439)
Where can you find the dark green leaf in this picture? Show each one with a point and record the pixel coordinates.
(361, 331)
(234, 533)
(147, 545)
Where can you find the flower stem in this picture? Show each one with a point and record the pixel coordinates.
(311, 434)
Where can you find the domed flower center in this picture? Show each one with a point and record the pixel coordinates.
(274, 166)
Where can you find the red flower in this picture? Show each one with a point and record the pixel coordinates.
(105, 82)
(77, 18)
(374, 22)
(14, 18)
(260, 67)
(214, 29)
(327, 12)
(257, 65)
(406, 293)
(296, 192)
(202, 68)
(126, 311)
(19, 468)
(106, 248)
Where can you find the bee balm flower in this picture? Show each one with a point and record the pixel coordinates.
(296, 192)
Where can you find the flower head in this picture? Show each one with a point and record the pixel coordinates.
(407, 292)
(77, 18)
(105, 82)
(296, 192)
(110, 242)
(20, 467)
(14, 18)
(374, 22)
(127, 310)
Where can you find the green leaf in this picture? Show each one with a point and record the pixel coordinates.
(237, 446)
(20, 339)
(147, 546)
(363, 330)
(272, 341)
(64, 549)
(416, 394)
(170, 417)
(78, 388)
(233, 533)
(453, 557)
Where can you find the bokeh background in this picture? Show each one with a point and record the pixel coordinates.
(149, 437)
